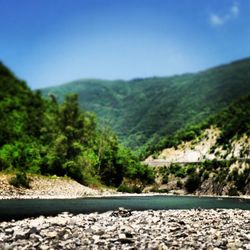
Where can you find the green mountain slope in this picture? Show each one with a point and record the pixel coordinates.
(141, 108)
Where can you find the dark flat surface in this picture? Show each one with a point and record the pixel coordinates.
(18, 209)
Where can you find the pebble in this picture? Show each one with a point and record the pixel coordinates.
(126, 229)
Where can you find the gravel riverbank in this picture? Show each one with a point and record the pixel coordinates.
(166, 229)
(42, 187)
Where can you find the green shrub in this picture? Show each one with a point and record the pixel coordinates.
(165, 179)
(4, 164)
(20, 180)
(136, 189)
(190, 169)
(177, 170)
(193, 182)
(243, 180)
(157, 190)
(205, 175)
(181, 173)
(124, 188)
(179, 183)
(233, 191)
(141, 172)
(129, 189)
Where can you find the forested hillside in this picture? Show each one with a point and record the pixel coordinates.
(209, 158)
(233, 122)
(43, 137)
(154, 107)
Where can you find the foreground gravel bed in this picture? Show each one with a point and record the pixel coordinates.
(123, 229)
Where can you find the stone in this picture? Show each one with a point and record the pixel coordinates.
(21, 234)
(121, 212)
(9, 230)
(44, 247)
(128, 235)
(52, 234)
(126, 241)
(170, 229)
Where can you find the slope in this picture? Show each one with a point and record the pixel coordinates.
(39, 136)
(141, 108)
(215, 161)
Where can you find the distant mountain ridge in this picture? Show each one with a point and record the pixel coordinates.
(140, 109)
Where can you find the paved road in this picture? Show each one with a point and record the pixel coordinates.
(161, 162)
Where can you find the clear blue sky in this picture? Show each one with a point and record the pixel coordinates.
(49, 42)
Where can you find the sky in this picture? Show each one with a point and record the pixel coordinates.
(50, 42)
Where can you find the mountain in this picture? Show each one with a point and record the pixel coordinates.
(140, 109)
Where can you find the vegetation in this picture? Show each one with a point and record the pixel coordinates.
(20, 180)
(42, 136)
(50, 137)
(129, 189)
(193, 182)
(217, 173)
(233, 121)
(143, 111)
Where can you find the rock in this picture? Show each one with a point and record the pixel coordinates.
(44, 247)
(121, 236)
(170, 229)
(34, 230)
(174, 229)
(247, 246)
(51, 234)
(126, 241)
(121, 212)
(9, 230)
(128, 235)
(21, 234)
(246, 236)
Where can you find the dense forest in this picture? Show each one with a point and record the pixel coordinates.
(41, 136)
(141, 109)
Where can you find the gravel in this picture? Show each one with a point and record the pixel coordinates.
(124, 229)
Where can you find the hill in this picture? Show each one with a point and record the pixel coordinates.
(210, 158)
(154, 107)
(39, 136)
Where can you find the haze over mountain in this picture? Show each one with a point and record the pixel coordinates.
(142, 108)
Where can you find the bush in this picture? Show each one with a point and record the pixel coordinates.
(181, 173)
(179, 184)
(127, 189)
(141, 172)
(205, 175)
(190, 169)
(124, 188)
(177, 170)
(192, 182)
(233, 191)
(20, 180)
(243, 179)
(165, 179)
(157, 190)
(4, 164)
